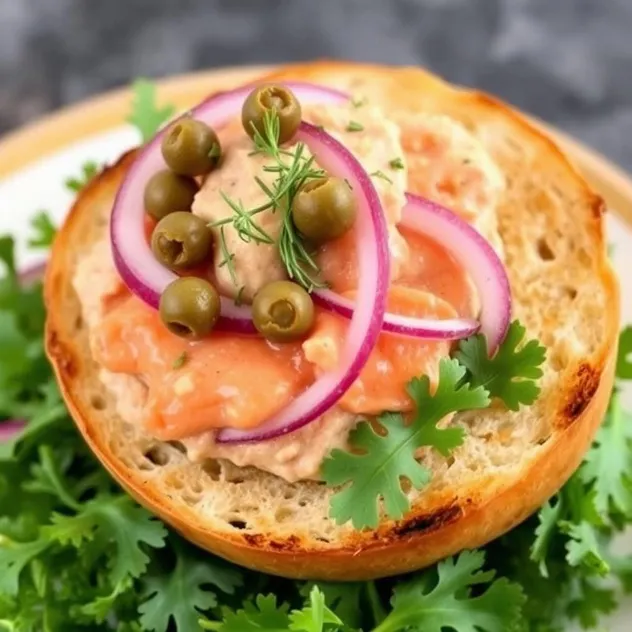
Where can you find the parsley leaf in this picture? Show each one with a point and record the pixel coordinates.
(44, 231)
(384, 459)
(512, 373)
(608, 465)
(14, 556)
(583, 548)
(315, 617)
(123, 522)
(89, 170)
(263, 615)
(591, 602)
(344, 598)
(146, 115)
(180, 595)
(104, 520)
(549, 516)
(436, 600)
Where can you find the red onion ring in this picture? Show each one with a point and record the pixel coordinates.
(366, 321)
(475, 254)
(10, 428)
(427, 328)
(136, 264)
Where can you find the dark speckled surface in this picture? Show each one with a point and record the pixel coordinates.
(567, 61)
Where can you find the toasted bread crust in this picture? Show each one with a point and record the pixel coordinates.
(426, 535)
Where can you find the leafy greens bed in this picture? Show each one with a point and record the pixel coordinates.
(76, 553)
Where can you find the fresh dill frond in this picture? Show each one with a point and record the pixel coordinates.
(382, 175)
(227, 256)
(292, 169)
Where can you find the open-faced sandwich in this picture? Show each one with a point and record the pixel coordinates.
(340, 323)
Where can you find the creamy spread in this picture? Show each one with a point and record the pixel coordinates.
(232, 381)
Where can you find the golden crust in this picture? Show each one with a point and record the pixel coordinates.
(430, 532)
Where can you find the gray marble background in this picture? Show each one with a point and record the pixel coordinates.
(567, 61)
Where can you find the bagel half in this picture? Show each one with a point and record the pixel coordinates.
(564, 291)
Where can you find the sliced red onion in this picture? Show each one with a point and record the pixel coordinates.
(475, 254)
(11, 428)
(427, 328)
(366, 321)
(133, 258)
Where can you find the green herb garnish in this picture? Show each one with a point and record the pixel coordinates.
(396, 163)
(227, 256)
(88, 170)
(180, 361)
(380, 174)
(511, 373)
(146, 116)
(44, 231)
(354, 126)
(446, 598)
(293, 170)
(385, 459)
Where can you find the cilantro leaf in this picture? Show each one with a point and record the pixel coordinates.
(511, 373)
(591, 602)
(146, 115)
(44, 231)
(549, 516)
(14, 556)
(344, 599)
(433, 604)
(315, 617)
(376, 473)
(43, 420)
(583, 548)
(608, 464)
(181, 594)
(264, 615)
(89, 170)
(126, 524)
(100, 608)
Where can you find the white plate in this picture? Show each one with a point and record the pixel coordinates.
(41, 186)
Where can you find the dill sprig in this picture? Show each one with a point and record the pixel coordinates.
(293, 169)
(227, 256)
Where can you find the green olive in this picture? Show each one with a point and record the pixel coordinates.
(324, 209)
(283, 311)
(271, 98)
(190, 307)
(167, 192)
(191, 148)
(181, 240)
